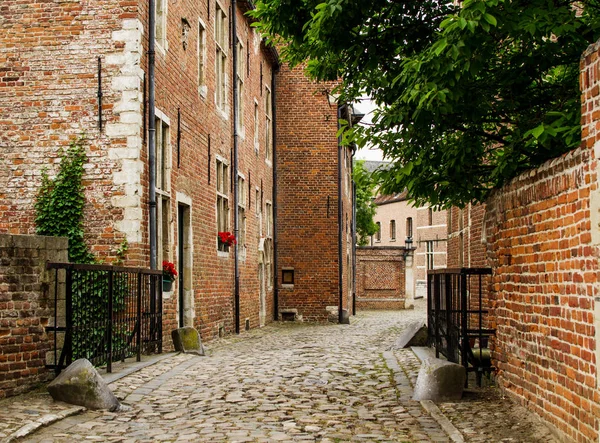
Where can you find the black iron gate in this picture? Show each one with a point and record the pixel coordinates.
(105, 313)
(458, 317)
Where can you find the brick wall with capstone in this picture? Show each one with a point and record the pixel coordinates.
(380, 277)
(26, 307)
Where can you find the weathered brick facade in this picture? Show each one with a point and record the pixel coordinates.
(307, 199)
(25, 308)
(465, 247)
(380, 277)
(50, 54)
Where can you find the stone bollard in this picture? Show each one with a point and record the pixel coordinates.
(80, 384)
(440, 380)
(187, 340)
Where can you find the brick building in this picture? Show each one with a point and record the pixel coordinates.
(398, 220)
(228, 118)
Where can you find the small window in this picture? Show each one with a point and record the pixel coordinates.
(160, 23)
(256, 128)
(287, 276)
(222, 199)
(222, 43)
(269, 219)
(430, 216)
(430, 255)
(241, 238)
(393, 230)
(268, 125)
(378, 233)
(201, 58)
(240, 75)
(409, 227)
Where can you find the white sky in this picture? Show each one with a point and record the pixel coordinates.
(366, 106)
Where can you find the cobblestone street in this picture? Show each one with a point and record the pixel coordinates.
(289, 382)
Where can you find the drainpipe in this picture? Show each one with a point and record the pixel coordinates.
(274, 132)
(340, 222)
(234, 53)
(353, 235)
(151, 137)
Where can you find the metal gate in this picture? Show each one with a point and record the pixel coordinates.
(458, 319)
(104, 313)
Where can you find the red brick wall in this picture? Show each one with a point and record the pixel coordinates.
(307, 202)
(24, 310)
(465, 247)
(380, 277)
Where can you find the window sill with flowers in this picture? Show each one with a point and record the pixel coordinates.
(169, 274)
(225, 240)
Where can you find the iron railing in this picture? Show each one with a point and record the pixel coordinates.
(104, 313)
(458, 317)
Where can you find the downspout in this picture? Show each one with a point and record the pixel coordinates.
(340, 221)
(151, 137)
(274, 132)
(353, 235)
(236, 291)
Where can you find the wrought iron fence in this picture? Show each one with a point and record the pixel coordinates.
(104, 313)
(458, 317)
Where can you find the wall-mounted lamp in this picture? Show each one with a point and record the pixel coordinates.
(408, 246)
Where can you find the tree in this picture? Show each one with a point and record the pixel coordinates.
(365, 208)
(469, 96)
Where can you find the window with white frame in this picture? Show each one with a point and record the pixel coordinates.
(430, 254)
(269, 219)
(163, 198)
(201, 58)
(222, 43)
(256, 128)
(241, 236)
(268, 125)
(160, 22)
(222, 198)
(239, 78)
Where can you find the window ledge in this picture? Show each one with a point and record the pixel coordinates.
(222, 254)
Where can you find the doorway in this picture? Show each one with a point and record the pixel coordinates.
(185, 261)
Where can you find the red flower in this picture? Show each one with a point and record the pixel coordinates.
(169, 271)
(227, 238)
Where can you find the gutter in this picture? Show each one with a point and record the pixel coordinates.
(236, 291)
(274, 73)
(340, 221)
(151, 137)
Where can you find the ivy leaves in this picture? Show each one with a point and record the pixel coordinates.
(60, 203)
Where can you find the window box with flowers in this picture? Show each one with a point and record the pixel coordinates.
(169, 274)
(225, 240)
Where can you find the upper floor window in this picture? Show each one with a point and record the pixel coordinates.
(392, 229)
(269, 219)
(239, 78)
(241, 237)
(222, 42)
(160, 22)
(268, 125)
(256, 118)
(409, 227)
(378, 233)
(201, 58)
(163, 200)
(430, 216)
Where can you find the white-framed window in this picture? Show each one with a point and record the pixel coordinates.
(268, 125)
(269, 219)
(430, 254)
(239, 78)
(241, 236)
(222, 44)
(256, 127)
(160, 23)
(201, 58)
(162, 154)
(222, 198)
(393, 230)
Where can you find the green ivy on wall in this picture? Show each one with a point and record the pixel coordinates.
(60, 202)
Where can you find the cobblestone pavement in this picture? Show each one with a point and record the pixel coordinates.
(287, 382)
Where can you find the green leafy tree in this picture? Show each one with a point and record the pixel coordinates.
(60, 202)
(365, 208)
(469, 96)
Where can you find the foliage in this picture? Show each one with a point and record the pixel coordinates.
(365, 208)
(60, 202)
(469, 95)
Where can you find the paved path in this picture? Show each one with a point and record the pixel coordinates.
(287, 382)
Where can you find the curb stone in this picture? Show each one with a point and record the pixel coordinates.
(405, 388)
(44, 420)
